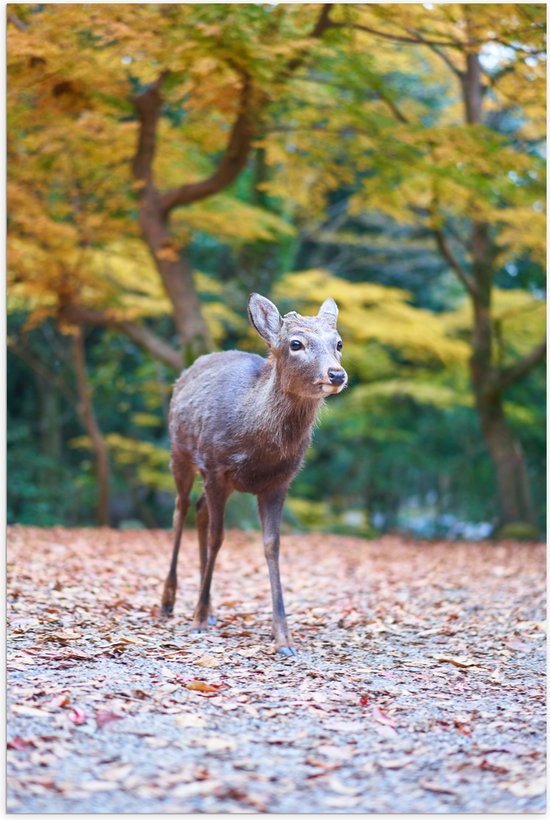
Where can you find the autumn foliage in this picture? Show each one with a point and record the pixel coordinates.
(164, 160)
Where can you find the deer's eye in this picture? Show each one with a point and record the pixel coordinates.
(296, 344)
(339, 345)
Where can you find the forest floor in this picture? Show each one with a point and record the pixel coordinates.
(419, 684)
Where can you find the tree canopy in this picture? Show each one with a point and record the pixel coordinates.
(166, 159)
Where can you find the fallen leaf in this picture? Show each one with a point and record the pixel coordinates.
(201, 686)
(61, 700)
(439, 788)
(105, 716)
(122, 639)
(396, 763)
(117, 772)
(78, 716)
(63, 636)
(156, 742)
(98, 786)
(342, 801)
(202, 787)
(218, 743)
(382, 717)
(462, 663)
(335, 752)
(384, 730)
(345, 726)
(191, 721)
(209, 661)
(532, 788)
(30, 711)
(19, 744)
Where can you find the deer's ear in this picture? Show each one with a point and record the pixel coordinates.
(329, 311)
(264, 317)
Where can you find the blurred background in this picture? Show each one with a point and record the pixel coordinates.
(166, 160)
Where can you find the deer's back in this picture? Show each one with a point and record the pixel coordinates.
(208, 400)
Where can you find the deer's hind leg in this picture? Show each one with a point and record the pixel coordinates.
(216, 493)
(184, 473)
(202, 531)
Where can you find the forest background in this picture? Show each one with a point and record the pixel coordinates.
(164, 160)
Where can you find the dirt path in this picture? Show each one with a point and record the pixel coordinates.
(419, 684)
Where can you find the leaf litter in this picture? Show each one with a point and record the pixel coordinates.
(419, 685)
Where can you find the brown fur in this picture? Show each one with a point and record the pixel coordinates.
(244, 423)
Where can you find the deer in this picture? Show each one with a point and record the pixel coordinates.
(244, 422)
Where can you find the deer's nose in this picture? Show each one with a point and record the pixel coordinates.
(336, 375)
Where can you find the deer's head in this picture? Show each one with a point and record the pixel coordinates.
(306, 349)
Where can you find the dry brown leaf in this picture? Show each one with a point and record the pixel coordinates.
(98, 786)
(209, 661)
(30, 711)
(201, 686)
(116, 773)
(191, 721)
(397, 763)
(529, 788)
(462, 663)
(439, 788)
(217, 743)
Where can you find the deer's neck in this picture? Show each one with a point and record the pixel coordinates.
(277, 415)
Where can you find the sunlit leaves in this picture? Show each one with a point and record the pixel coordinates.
(376, 313)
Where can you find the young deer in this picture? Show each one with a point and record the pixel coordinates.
(244, 423)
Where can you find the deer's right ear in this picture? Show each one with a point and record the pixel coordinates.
(264, 317)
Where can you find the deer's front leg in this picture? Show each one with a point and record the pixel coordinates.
(271, 507)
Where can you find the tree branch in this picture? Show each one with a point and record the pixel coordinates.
(509, 375)
(13, 18)
(449, 256)
(396, 38)
(395, 110)
(441, 54)
(19, 347)
(241, 136)
(143, 337)
(232, 162)
(323, 23)
(148, 105)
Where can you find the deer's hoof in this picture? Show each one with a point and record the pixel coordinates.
(167, 604)
(198, 627)
(286, 651)
(168, 598)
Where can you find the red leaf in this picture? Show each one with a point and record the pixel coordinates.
(104, 716)
(78, 716)
(382, 717)
(364, 700)
(19, 744)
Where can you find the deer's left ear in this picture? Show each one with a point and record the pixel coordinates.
(264, 318)
(329, 311)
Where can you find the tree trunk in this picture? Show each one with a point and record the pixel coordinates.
(87, 415)
(515, 503)
(49, 420)
(514, 496)
(177, 277)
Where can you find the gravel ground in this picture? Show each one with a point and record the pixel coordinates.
(419, 684)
